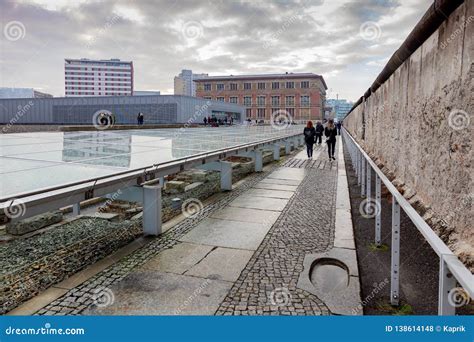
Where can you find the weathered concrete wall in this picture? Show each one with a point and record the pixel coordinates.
(418, 124)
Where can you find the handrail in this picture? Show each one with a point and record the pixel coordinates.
(447, 257)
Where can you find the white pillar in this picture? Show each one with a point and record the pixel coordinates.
(258, 161)
(152, 209)
(76, 209)
(276, 152)
(226, 176)
(287, 146)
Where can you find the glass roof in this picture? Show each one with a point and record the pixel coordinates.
(33, 161)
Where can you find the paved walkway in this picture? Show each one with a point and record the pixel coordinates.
(242, 255)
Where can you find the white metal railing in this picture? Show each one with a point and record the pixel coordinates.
(451, 270)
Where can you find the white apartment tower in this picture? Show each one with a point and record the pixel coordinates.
(87, 77)
(184, 82)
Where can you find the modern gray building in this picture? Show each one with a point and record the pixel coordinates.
(23, 93)
(157, 109)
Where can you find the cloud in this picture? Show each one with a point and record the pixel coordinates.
(228, 37)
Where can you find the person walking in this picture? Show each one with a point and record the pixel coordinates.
(309, 135)
(331, 132)
(319, 132)
(205, 121)
(338, 126)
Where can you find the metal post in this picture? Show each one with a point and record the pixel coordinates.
(226, 176)
(276, 152)
(258, 161)
(446, 283)
(369, 181)
(76, 209)
(287, 147)
(378, 216)
(152, 209)
(362, 178)
(395, 274)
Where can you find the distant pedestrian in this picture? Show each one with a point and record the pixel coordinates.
(309, 136)
(319, 132)
(338, 126)
(331, 132)
(138, 118)
(205, 121)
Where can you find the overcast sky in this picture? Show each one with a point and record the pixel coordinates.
(348, 42)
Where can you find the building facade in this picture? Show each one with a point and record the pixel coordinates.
(184, 83)
(22, 93)
(159, 109)
(87, 77)
(301, 96)
(146, 92)
(340, 108)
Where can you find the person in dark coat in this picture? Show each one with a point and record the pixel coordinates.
(319, 132)
(338, 126)
(331, 132)
(309, 136)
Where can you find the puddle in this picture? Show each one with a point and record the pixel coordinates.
(329, 275)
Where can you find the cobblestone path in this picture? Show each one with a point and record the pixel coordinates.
(78, 299)
(267, 286)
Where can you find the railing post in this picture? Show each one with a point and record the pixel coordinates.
(446, 283)
(226, 176)
(378, 217)
(362, 177)
(359, 166)
(276, 152)
(152, 209)
(395, 267)
(369, 181)
(287, 147)
(258, 161)
(76, 209)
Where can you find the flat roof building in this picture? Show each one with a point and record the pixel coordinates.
(184, 83)
(21, 93)
(88, 77)
(301, 96)
(157, 109)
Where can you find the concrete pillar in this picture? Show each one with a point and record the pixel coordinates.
(276, 152)
(226, 176)
(152, 209)
(258, 161)
(76, 209)
(287, 146)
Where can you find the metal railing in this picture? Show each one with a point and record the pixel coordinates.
(451, 270)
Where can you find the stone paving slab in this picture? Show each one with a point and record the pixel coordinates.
(270, 186)
(252, 202)
(222, 264)
(231, 234)
(160, 293)
(270, 193)
(178, 259)
(288, 173)
(246, 215)
(293, 182)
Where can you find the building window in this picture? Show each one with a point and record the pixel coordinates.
(233, 86)
(304, 101)
(275, 85)
(233, 99)
(290, 85)
(275, 101)
(221, 99)
(261, 85)
(247, 86)
(290, 100)
(291, 113)
(248, 112)
(261, 101)
(261, 113)
(207, 87)
(304, 84)
(247, 101)
(207, 98)
(220, 86)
